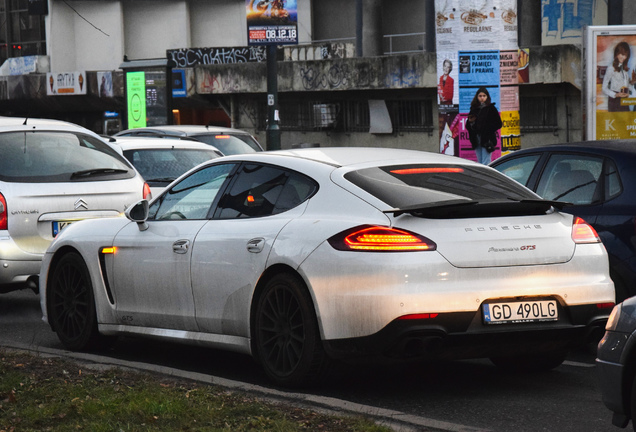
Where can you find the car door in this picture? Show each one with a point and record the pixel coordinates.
(232, 250)
(151, 271)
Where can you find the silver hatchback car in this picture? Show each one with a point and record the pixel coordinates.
(227, 140)
(52, 174)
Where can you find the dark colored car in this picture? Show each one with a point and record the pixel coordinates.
(616, 363)
(229, 141)
(598, 178)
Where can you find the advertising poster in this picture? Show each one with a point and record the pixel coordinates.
(66, 83)
(136, 95)
(610, 78)
(272, 22)
(477, 69)
(105, 84)
(479, 39)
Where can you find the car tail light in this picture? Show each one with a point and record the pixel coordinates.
(582, 232)
(418, 316)
(146, 192)
(3, 213)
(222, 136)
(380, 239)
(431, 170)
(605, 305)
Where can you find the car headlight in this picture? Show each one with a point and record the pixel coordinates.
(612, 321)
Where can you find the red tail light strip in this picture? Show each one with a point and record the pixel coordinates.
(418, 316)
(434, 170)
(381, 239)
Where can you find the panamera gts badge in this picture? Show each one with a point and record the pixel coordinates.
(80, 204)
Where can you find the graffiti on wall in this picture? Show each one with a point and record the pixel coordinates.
(565, 19)
(189, 57)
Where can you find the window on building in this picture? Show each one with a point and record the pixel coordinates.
(538, 113)
(411, 115)
(349, 115)
(21, 34)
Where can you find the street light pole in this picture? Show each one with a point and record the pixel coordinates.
(273, 130)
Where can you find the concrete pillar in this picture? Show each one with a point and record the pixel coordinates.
(529, 23)
(371, 28)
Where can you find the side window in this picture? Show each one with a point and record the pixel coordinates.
(612, 180)
(571, 178)
(519, 168)
(262, 190)
(192, 197)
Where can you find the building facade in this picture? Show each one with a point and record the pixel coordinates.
(355, 60)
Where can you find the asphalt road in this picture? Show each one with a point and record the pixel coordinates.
(455, 396)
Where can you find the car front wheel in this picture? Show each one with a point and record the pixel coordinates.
(71, 304)
(287, 341)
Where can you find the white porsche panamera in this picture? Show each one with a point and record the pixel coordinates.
(301, 256)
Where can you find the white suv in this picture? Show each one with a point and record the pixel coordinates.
(54, 173)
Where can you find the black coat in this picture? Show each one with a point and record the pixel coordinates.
(486, 125)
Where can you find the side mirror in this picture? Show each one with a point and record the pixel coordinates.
(138, 212)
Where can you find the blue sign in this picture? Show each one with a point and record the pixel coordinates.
(178, 83)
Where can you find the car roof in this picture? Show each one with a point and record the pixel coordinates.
(138, 143)
(189, 129)
(606, 147)
(26, 123)
(357, 156)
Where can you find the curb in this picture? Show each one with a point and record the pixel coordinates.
(396, 420)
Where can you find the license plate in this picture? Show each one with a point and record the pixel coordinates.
(521, 312)
(58, 226)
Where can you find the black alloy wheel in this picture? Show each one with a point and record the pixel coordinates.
(71, 304)
(287, 341)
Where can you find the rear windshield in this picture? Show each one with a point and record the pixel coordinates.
(161, 166)
(231, 144)
(39, 156)
(410, 185)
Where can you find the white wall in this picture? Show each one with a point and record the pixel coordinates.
(95, 35)
(88, 36)
(153, 26)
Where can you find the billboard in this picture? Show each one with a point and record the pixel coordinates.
(476, 47)
(273, 22)
(610, 74)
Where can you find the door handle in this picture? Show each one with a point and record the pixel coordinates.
(256, 245)
(181, 246)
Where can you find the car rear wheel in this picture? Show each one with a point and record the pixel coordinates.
(531, 362)
(287, 341)
(71, 304)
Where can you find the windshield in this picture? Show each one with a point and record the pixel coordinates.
(231, 144)
(410, 185)
(161, 166)
(39, 156)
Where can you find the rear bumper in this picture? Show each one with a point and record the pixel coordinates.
(16, 275)
(462, 335)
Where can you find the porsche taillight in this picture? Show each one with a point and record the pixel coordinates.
(380, 239)
(3, 213)
(146, 192)
(582, 232)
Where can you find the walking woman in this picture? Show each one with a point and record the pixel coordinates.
(483, 123)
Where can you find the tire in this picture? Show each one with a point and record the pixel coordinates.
(287, 341)
(71, 304)
(540, 362)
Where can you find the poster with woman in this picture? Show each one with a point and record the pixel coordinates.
(610, 82)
